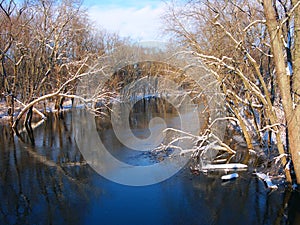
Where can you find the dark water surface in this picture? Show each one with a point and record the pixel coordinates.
(49, 183)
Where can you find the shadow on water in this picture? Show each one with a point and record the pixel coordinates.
(50, 183)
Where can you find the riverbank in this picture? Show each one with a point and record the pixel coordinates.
(49, 108)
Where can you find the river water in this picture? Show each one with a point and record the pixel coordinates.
(45, 180)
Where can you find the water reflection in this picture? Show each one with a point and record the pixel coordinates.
(49, 183)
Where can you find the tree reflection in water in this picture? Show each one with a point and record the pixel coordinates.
(42, 180)
(48, 182)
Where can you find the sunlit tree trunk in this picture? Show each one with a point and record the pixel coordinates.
(294, 125)
(292, 111)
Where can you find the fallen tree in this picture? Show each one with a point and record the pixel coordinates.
(94, 71)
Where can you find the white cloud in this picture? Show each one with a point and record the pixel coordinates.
(139, 23)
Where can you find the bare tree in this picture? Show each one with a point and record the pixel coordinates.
(45, 46)
(248, 46)
(13, 24)
(288, 91)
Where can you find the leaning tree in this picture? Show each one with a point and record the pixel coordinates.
(252, 48)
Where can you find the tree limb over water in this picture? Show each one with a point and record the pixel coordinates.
(254, 53)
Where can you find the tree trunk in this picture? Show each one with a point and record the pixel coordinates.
(294, 123)
(296, 57)
(294, 141)
(292, 115)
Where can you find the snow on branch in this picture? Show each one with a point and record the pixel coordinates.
(253, 23)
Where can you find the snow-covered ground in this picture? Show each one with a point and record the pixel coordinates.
(50, 107)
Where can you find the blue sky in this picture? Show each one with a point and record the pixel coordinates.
(138, 19)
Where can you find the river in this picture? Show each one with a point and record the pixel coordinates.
(50, 183)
